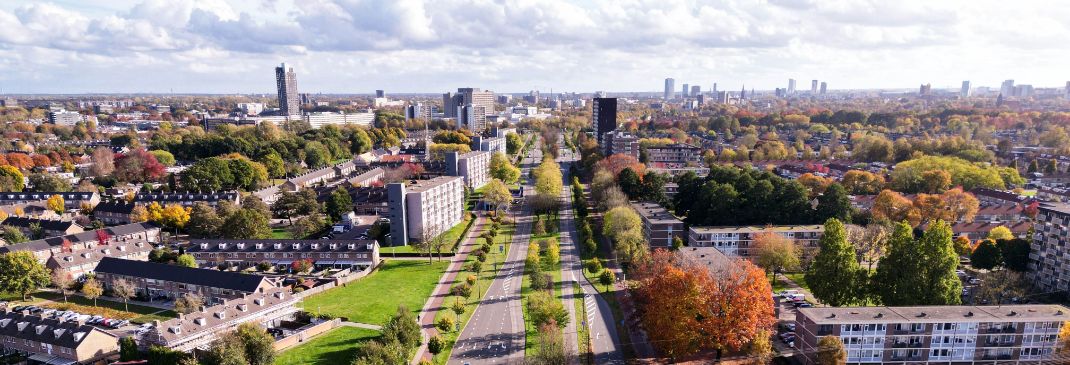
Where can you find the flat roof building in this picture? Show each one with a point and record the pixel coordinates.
(738, 241)
(659, 226)
(473, 166)
(424, 208)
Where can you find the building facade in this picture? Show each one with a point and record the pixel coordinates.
(51, 341)
(604, 117)
(1048, 269)
(674, 153)
(266, 308)
(473, 166)
(739, 241)
(620, 142)
(489, 144)
(338, 254)
(424, 208)
(156, 280)
(79, 253)
(659, 226)
(286, 83)
(1009, 334)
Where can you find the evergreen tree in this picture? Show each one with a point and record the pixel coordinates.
(834, 273)
(895, 282)
(834, 203)
(941, 286)
(1033, 167)
(629, 183)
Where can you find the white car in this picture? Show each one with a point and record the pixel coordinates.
(787, 293)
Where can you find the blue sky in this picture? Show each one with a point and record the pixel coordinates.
(357, 46)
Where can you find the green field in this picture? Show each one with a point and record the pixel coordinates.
(373, 299)
(525, 289)
(280, 233)
(337, 346)
(486, 276)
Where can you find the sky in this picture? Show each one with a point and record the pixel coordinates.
(403, 46)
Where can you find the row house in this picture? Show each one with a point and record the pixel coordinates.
(979, 230)
(737, 241)
(266, 308)
(47, 227)
(320, 176)
(153, 280)
(114, 212)
(71, 200)
(366, 200)
(187, 199)
(659, 226)
(424, 208)
(336, 254)
(52, 341)
(369, 177)
(674, 153)
(1009, 334)
(993, 196)
(1006, 212)
(79, 253)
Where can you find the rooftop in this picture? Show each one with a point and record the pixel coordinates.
(756, 229)
(423, 185)
(937, 314)
(655, 213)
(180, 274)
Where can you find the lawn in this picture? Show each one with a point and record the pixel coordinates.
(449, 236)
(373, 299)
(106, 308)
(799, 278)
(486, 276)
(337, 346)
(280, 233)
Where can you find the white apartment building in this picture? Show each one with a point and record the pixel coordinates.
(424, 208)
(473, 166)
(251, 108)
(739, 240)
(318, 120)
(489, 144)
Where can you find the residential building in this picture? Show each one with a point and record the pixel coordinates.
(369, 177)
(52, 341)
(791, 86)
(472, 117)
(502, 132)
(964, 92)
(337, 254)
(489, 144)
(465, 96)
(813, 86)
(670, 89)
(674, 153)
(604, 117)
(114, 212)
(979, 229)
(685, 90)
(71, 200)
(154, 280)
(266, 308)
(79, 253)
(739, 240)
(419, 111)
(424, 208)
(47, 227)
(251, 108)
(992, 196)
(1049, 270)
(308, 179)
(1008, 334)
(321, 119)
(695, 91)
(1007, 88)
(64, 117)
(286, 82)
(473, 166)
(620, 142)
(659, 226)
(824, 87)
(186, 199)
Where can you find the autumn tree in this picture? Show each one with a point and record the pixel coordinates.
(775, 253)
(21, 273)
(1000, 233)
(892, 206)
(103, 162)
(830, 351)
(186, 260)
(91, 289)
(55, 203)
(11, 179)
(139, 214)
(497, 195)
(502, 169)
(123, 289)
(62, 280)
(860, 182)
(816, 185)
(835, 277)
(963, 246)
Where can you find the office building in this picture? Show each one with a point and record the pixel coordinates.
(64, 117)
(452, 103)
(473, 117)
(925, 89)
(824, 87)
(738, 241)
(686, 89)
(604, 116)
(1023, 90)
(670, 88)
(286, 82)
(320, 119)
(424, 208)
(813, 86)
(1008, 334)
(1007, 88)
(791, 86)
(473, 166)
(964, 92)
(419, 111)
(47, 340)
(695, 90)
(659, 226)
(380, 94)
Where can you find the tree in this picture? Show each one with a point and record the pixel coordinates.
(188, 303)
(139, 214)
(50, 183)
(13, 235)
(128, 349)
(963, 246)
(203, 221)
(258, 344)
(339, 203)
(999, 286)
(103, 162)
(607, 278)
(834, 203)
(815, 184)
(677, 243)
(513, 143)
(935, 181)
(186, 260)
(62, 280)
(497, 195)
(619, 220)
(163, 157)
(553, 253)
(629, 183)
(502, 169)
(246, 224)
(301, 266)
(986, 256)
(1015, 253)
(175, 216)
(123, 289)
(907, 176)
(306, 226)
(761, 348)
(227, 350)
(435, 345)
(834, 273)
(20, 272)
(919, 271)
(138, 166)
(551, 348)
(1000, 233)
(402, 328)
(892, 206)
(830, 351)
(11, 179)
(544, 308)
(942, 285)
(91, 289)
(775, 253)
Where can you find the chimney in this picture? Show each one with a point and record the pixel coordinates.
(203, 309)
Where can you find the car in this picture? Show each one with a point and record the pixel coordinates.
(805, 305)
(975, 281)
(48, 311)
(960, 272)
(784, 293)
(94, 320)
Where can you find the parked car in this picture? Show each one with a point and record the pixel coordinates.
(805, 305)
(788, 292)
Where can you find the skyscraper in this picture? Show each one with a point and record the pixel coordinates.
(813, 87)
(465, 96)
(695, 90)
(286, 81)
(791, 86)
(1066, 90)
(1007, 88)
(380, 93)
(604, 116)
(685, 90)
(670, 88)
(965, 91)
(824, 87)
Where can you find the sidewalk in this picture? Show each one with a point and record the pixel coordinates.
(442, 289)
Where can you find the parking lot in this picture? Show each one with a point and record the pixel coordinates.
(118, 327)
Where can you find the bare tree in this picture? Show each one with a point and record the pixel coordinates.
(103, 162)
(123, 289)
(427, 240)
(188, 303)
(62, 280)
(870, 242)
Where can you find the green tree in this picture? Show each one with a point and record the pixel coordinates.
(502, 169)
(895, 281)
(186, 260)
(513, 143)
(228, 350)
(834, 273)
(402, 328)
(11, 179)
(316, 155)
(607, 278)
(543, 308)
(13, 235)
(203, 221)
(834, 203)
(273, 164)
(435, 345)
(919, 271)
(128, 349)
(49, 183)
(629, 183)
(339, 203)
(359, 142)
(1000, 233)
(941, 286)
(163, 157)
(259, 345)
(246, 224)
(986, 256)
(21, 273)
(497, 195)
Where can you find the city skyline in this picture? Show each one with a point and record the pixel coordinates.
(215, 46)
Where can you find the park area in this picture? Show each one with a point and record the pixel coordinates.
(373, 299)
(339, 346)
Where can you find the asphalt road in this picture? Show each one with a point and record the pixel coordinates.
(495, 333)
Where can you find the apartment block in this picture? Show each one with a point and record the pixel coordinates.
(489, 144)
(618, 142)
(473, 166)
(424, 208)
(738, 241)
(267, 308)
(1049, 258)
(154, 280)
(659, 226)
(338, 254)
(1009, 334)
(674, 153)
(51, 341)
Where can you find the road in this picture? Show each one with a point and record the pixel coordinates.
(605, 341)
(495, 333)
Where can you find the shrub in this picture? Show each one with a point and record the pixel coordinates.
(457, 307)
(462, 290)
(471, 280)
(594, 266)
(444, 324)
(435, 345)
